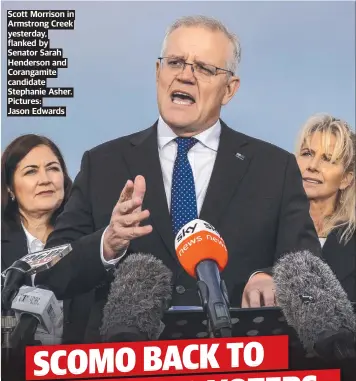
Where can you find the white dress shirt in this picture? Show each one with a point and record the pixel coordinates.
(201, 158)
(322, 241)
(33, 245)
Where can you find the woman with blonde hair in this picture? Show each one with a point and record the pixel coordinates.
(326, 158)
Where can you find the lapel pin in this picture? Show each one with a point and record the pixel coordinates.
(239, 156)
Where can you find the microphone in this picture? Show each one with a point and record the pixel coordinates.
(202, 253)
(315, 305)
(13, 278)
(139, 294)
(34, 307)
(30, 264)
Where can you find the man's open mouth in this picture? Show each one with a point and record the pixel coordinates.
(182, 98)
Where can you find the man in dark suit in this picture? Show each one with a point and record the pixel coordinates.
(188, 164)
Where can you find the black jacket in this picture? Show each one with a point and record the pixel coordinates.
(341, 259)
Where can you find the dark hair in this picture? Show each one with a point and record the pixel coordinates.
(12, 155)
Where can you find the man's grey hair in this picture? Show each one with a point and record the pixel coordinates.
(213, 25)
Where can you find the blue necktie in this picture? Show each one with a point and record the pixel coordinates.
(183, 198)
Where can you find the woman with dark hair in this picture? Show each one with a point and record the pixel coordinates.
(35, 186)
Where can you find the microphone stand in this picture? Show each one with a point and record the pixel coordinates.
(24, 332)
(16, 337)
(8, 323)
(13, 278)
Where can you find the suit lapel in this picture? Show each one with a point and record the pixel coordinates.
(230, 166)
(143, 159)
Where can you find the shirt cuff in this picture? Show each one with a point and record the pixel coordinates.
(253, 274)
(108, 264)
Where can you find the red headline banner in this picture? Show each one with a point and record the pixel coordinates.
(304, 375)
(157, 358)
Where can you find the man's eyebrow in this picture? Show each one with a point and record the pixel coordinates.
(204, 62)
(176, 56)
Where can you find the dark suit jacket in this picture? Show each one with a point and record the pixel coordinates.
(13, 244)
(255, 200)
(75, 310)
(341, 259)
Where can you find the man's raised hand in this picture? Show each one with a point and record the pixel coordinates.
(126, 218)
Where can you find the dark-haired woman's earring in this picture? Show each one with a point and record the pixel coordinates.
(12, 197)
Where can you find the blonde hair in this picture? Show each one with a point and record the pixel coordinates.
(344, 215)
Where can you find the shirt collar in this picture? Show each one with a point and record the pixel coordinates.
(209, 138)
(30, 238)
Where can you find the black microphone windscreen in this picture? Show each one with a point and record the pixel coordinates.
(138, 297)
(311, 297)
